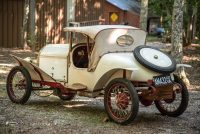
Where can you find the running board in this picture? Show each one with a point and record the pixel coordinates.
(76, 87)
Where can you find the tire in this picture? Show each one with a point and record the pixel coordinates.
(126, 93)
(183, 104)
(20, 85)
(66, 97)
(150, 59)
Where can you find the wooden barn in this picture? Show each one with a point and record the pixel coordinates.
(51, 16)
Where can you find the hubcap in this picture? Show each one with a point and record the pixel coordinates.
(155, 57)
(122, 100)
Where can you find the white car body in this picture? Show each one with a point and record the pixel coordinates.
(53, 60)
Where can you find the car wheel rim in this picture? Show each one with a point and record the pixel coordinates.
(119, 101)
(17, 85)
(171, 105)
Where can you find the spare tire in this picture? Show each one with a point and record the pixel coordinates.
(154, 59)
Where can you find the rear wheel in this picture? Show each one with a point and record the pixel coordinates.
(19, 85)
(121, 101)
(178, 104)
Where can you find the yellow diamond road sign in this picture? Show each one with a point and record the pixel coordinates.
(114, 17)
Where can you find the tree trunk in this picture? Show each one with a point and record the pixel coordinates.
(194, 23)
(188, 37)
(32, 39)
(25, 26)
(177, 29)
(144, 14)
(190, 24)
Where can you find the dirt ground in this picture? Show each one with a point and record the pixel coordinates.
(85, 115)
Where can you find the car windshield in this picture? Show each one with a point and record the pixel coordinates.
(79, 38)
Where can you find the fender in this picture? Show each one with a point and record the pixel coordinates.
(110, 63)
(106, 77)
(35, 72)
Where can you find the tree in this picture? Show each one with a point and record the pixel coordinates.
(144, 14)
(25, 24)
(31, 35)
(190, 21)
(191, 10)
(163, 8)
(28, 31)
(177, 36)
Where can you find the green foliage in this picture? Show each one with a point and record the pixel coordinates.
(164, 8)
(198, 21)
(188, 10)
(151, 38)
(191, 18)
(31, 40)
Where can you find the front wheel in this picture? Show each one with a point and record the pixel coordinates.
(19, 85)
(121, 101)
(176, 106)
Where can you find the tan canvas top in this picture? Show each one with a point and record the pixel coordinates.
(92, 31)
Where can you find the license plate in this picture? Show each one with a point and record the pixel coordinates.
(162, 80)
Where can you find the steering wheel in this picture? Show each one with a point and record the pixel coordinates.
(80, 57)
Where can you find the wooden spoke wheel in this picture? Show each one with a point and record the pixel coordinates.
(19, 85)
(121, 101)
(178, 104)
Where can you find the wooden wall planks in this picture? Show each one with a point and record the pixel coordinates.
(50, 21)
(11, 15)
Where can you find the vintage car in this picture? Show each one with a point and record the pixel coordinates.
(108, 60)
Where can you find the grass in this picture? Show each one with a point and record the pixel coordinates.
(197, 42)
(153, 38)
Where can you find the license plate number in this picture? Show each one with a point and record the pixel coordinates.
(162, 80)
